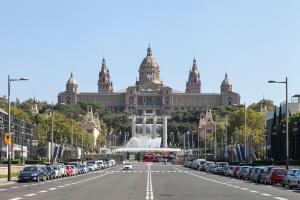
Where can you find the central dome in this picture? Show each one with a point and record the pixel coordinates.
(149, 69)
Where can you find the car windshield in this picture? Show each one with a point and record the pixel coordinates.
(49, 168)
(30, 169)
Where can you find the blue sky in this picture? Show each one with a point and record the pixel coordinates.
(253, 41)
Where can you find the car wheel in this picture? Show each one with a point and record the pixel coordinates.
(290, 186)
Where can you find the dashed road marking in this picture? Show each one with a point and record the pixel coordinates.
(265, 194)
(280, 198)
(43, 191)
(3, 189)
(29, 195)
(53, 189)
(17, 198)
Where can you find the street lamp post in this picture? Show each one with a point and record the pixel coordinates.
(286, 117)
(215, 141)
(52, 130)
(245, 127)
(10, 145)
(81, 156)
(226, 138)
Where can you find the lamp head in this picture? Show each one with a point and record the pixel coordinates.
(271, 81)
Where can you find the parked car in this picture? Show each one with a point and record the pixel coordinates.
(91, 166)
(62, 169)
(295, 180)
(248, 173)
(241, 174)
(83, 169)
(211, 168)
(224, 170)
(229, 170)
(288, 177)
(276, 176)
(234, 171)
(100, 164)
(70, 171)
(257, 176)
(200, 164)
(254, 173)
(58, 173)
(51, 172)
(113, 162)
(267, 172)
(76, 171)
(32, 173)
(207, 165)
(220, 165)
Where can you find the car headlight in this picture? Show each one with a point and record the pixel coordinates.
(33, 174)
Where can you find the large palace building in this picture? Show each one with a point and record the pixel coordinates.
(149, 95)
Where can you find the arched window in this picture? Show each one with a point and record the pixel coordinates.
(68, 100)
(229, 101)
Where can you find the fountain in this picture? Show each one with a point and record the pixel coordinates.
(149, 133)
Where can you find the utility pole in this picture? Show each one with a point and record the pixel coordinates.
(205, 141)
(226, 154)
(215, 142)
(52, 127)
(245, 126)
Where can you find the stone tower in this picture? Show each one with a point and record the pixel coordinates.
(149, 69)
(226, 86)
(193, 85)
(104, 82)
(34, 107)
(72, 86)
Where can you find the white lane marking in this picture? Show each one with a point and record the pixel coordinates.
(17, 198)
(43, 191)
(280, 198)
(25, 185)
(149, 188)
(61, 186)
(29, 195)
(265, 194)
(14, 187)
(244, 189)
(253, 191)
(52, 189)
(3, 189)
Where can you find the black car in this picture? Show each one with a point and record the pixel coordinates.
(32, 173)
(51, 172)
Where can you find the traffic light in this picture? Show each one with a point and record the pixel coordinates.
(7, 138)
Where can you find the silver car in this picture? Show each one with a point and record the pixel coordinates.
(295, 180)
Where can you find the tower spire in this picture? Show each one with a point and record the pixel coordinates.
(149, 50)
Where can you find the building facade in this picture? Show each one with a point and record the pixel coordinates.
(22, 137)
(149, 94)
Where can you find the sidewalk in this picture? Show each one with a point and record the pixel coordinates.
(3, 181)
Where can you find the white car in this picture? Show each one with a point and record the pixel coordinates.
(127, 166)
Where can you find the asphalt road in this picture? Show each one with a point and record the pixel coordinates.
(146, 181)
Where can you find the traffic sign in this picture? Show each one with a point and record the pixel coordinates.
(7, 138)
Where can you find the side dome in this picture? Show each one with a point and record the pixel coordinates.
(71, 80)
(226, 85)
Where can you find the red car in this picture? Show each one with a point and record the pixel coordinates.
(69, 170)
(234, 171)
(276, 176)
